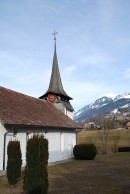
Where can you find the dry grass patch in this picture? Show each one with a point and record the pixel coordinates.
(5, 188)
(107, 174)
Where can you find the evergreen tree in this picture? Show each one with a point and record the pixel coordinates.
(36, 175)
(14, 162)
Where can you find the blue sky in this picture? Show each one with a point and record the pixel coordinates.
(93, 46)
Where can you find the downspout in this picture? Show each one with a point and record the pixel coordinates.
(76, 136)
(5, 147)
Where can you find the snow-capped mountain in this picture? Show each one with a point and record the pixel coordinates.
(103, 105)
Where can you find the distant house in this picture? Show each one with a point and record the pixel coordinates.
(128, 125)
(89, 126)
(21, 116)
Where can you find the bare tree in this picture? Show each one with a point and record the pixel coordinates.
(116, 138)
(103, 136)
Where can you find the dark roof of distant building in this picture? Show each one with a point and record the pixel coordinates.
(23, 110)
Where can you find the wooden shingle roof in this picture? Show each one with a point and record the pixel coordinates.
(55, 86)
(20, 109)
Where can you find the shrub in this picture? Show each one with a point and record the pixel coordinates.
(124, 149)
(14, 162)
(85, 151)
(36, 175)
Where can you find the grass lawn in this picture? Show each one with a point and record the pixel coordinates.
(107, 174)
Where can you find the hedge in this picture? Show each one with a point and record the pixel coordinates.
(124, 149)
(85, 151)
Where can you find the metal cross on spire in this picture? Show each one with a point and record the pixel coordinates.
(54, 34)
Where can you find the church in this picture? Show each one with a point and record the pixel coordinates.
(51, 114)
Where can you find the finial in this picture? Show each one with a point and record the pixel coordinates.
(54, 34)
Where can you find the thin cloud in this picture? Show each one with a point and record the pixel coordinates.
(95, 59)
(110, 95)
(127, 73)
(22, 70)
(69, 70)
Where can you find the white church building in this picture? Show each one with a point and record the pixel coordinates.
(21, 116)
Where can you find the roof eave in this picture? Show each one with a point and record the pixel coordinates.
(51, 92)
(40, 126)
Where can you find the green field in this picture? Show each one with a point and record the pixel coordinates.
(120, 137)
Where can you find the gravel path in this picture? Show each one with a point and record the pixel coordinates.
(2, 172)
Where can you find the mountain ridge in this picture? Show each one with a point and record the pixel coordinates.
(103, 105)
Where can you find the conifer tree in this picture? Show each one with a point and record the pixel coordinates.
(14, 162)
(36, 175)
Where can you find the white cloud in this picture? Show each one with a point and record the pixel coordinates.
(25, 78)
(69, 70)
(110, 95)
(95, 59)
(127, 73)
(20, 70)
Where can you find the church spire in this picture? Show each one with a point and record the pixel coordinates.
(55, 86)
(55, 93)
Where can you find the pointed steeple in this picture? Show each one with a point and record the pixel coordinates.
(55, 93)
(55, 86)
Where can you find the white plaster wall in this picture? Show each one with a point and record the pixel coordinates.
(69, 114)
(54, 145)
(60, 106)
(70, 141)
(10, 137)
(55, 151)
(2, 132)
(21, 136)
(64, 110)
(54, 138)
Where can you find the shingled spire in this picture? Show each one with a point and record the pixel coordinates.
(55, 85)
(55, 90)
